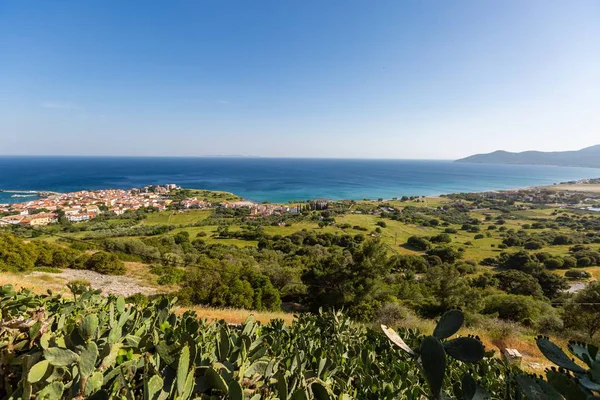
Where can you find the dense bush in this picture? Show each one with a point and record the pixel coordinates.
(441, 238)
(583, 310)
(447, 254)
(97, 347)
(105, 263)
(578, 274)
(517, 282)
(418, 243)
(18, 255)
(517, 308)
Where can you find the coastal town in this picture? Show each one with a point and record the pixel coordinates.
(81, 206)
(86, 205)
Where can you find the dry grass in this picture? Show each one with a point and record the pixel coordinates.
(237, 316)
(589, 188)
(36, 283)
(495, 335)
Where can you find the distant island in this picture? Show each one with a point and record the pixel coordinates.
(587, 157)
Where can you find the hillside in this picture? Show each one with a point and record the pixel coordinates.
(502, 257)
(587, 157)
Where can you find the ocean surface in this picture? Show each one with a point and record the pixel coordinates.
(275, 179)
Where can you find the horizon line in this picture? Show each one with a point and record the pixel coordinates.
(220, 156)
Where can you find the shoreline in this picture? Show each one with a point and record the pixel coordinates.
(576, 186)
(285, 180)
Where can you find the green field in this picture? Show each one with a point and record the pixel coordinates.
(177, 217)
(364, 214)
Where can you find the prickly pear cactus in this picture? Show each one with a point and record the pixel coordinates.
(91, 346)
(571, 379)
(431, 356)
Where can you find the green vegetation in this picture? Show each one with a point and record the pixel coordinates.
(17, 255)
(571, 380)
(506, 256)
(90, 346)
(102, 348)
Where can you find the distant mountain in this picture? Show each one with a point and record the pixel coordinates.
(588, 157)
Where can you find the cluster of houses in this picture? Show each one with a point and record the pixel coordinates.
(84, 205)
(263, 210)
(194, 203)
(256, 210)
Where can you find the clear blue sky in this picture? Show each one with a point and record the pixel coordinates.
(299, 78)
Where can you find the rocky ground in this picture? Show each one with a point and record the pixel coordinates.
(109, 284)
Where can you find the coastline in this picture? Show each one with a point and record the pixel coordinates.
(577, 187)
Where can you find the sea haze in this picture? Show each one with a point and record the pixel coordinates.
(276, 179)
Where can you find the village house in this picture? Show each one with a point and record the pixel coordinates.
(92, 209)
(117, 210)
(39, 219)
(80, 217)
(72, 210)
(194, 203)
(239, 204)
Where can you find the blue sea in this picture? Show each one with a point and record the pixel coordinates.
(276, 179)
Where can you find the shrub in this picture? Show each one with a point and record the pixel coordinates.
(391, 314)
(549, 324)
(561, 240)
(533, 245)
(446, 253)
(554, 263)
(407, 262)
(551, 283)
(583, 311)
(418, 243)
(464, 268)
(584, 262)
(578, 274)
(516, 308)
(105, 263)
(569, 262)
(441, 238)
(517, 282)
(50, 270)
(171, 275)
(138, 299)
(501, 330)
(80, 282)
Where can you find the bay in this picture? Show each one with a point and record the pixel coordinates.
(276, 179)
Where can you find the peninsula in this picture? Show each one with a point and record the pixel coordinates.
(587, 157)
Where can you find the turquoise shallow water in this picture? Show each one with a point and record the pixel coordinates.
(274, 179)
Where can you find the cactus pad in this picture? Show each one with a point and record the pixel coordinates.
(449, 324)
(433, 359)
